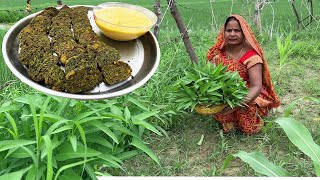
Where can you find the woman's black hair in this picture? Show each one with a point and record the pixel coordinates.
(229, 19)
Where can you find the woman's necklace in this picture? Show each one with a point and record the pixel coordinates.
(238, 54)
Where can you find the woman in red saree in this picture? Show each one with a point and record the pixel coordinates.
(238, 49)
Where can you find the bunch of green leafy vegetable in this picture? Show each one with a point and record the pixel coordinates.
(209, 85)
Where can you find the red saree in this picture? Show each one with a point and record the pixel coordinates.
(247, 119)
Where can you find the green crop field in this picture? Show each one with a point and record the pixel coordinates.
(141, 133)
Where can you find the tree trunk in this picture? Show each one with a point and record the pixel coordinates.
(257, 18)
(157, 10)
(183, 30)
(296, 13)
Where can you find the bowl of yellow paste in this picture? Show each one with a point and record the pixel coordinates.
(122, 21)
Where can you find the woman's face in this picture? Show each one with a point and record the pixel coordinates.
(233, 33)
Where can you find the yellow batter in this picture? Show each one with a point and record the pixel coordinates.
(121, 23)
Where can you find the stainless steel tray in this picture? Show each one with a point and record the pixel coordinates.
(142, 54)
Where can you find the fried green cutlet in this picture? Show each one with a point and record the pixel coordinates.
(30, 49)
(27, 36)
(38, 69)
(68, 49)
(79, 13)
(55, 78)
(41, 23)
(28, 40)
(61, 21)
(82, 28)
(50, 12)
(28, 55)
(81, 74)
(102, 53)
(60, 34)
(87, 37)
(115, 72)
(79, 10)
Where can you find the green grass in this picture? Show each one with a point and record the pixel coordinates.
(5, 74)
(179, 153)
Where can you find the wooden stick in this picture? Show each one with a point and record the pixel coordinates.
(183, 31)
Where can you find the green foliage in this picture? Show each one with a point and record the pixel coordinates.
(11, 16)
(306, 49)
(297, 133)
(209, 84)
(285, 48)
(261, 164)
(55, 136)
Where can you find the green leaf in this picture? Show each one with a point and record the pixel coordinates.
(260, 164)
(99, 140)
(112, 116)
(41, 172)
(73, 141)
(90, 172)
(82, 133)
(63, 128)
(48, 144)
(316, 100)
(125, 130)
(35, 120)
(66, 152)
(300, 136)
(148, 126)
(111, 159)
(18, 153)
(116, 110)
(137, 103)
(144, 115)
(89, 119)
(53, 117)
(31, 153)
(9, 108)
(84, 115)
(183, 100)
(317, 169)
(9, 144)
(62, 106)
(13, 124)
(32, 173)
(107, 131)
(56, 125)
(140, 145)
(10, 131)
(190, 92)
(204, 88)
(127, 114)
(15, 175)
(42, 110)
(227, 161)
(72, 165)
(69, 174)
(127, 155)
(290, 107)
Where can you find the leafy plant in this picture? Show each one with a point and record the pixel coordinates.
(52, 138)
(297, 133)
(209, 85)
(285, 48)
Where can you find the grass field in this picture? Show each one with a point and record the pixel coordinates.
(179, 152)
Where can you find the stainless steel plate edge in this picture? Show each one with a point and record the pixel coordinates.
(149, 64)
